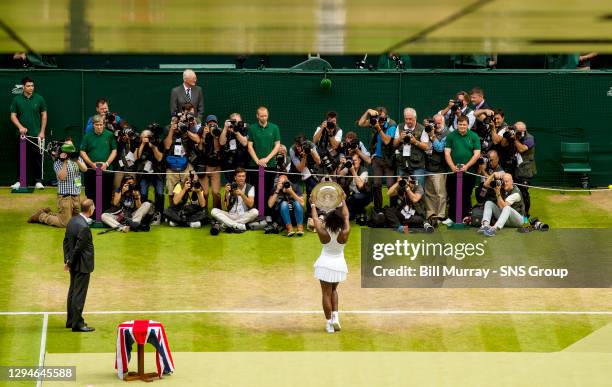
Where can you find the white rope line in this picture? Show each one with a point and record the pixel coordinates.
(548, 188)
(355, 312)
(43, 346)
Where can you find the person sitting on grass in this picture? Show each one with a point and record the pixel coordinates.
(287, 199)
(508, 208)
(239, 200)
(188, 204)
(127, 211)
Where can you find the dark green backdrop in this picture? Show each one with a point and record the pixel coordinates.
(557, 106)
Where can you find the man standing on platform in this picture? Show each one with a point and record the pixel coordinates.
(263, 145)
(188, 92)
(79, 261)
(29, 114)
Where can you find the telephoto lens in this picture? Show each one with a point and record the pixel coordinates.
(286, 184)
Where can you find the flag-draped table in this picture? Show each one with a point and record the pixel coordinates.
(141, 332)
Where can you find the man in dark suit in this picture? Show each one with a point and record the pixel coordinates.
(79, 260)
(188, 92)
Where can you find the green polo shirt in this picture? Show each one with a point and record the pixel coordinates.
(263, 140)
(462, 147)
(98, 146)
(28, 111)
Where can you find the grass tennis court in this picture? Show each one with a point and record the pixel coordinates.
(255, 293)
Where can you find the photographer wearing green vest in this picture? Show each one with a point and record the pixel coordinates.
(411, 145)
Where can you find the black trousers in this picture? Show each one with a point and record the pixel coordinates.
(395, 218)
(451, 188)
(381, 167)
(524, 193)
(107, 187)
(79, 282)
(33, 164)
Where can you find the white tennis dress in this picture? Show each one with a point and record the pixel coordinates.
(331, 266)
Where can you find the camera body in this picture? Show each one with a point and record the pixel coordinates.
(238, 126)
(194, 181)
(482, 161)
(185, 121)
(377, 119)
(286, 184)
(214, 129)
(409, 136)
(406, 184)
(457, 106)
(348, 164)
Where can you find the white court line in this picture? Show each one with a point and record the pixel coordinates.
(366, 312)
(43, 345)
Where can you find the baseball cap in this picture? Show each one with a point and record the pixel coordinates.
(211, 117)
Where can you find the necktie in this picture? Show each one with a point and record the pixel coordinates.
(188, 93)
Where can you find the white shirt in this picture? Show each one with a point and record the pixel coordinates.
(238, 207)
(353, 185)
(407, 147)
(338, 135)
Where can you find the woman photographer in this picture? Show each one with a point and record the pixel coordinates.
(127, 210)
(287, 198)
(330, 268)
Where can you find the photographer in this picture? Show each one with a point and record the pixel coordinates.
(210, 151)
(239, 200)
(500, 124)
(355, 186)
(435, 164)
(283, 161)
(413, 143)
(458, 107)
(234, 141)
(405, 208)
(126, 147)
(327, 138)
(127, 211)
(99, 148)
(102, 110)
(68, 167)
(188, 205)
(352, 145)
(384, 133)
(287, 200)
(508, 206)
(518, 146)
(180, 147)
(305, 160)
(486, 166)
(149, 163)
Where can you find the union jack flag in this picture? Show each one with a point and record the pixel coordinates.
(141, 332)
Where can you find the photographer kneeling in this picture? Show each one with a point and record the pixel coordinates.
(355, 185)
(127, 212)
(188, 205)
(239, 200)
(508, 208)
(405, 209)
(286, 199)
(68, 167)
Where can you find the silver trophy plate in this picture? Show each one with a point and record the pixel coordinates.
(327, 196)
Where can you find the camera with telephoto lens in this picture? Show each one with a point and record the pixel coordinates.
(286, 184)
(233, 186)
(353, 144)
(488, 119)
(306, 147)
(330, 125)
(195, 182)
(327, 163)
(409, 136)
(430, 125)
(272, 228)
(510, 132)
(214, 129)
(457, 105)
(348, 164)
(111, 121)
(496, 183)
(405, 184)
(280, 162)
(482, 160)
(238, 126)
(186, 121)
(537, 225)
(216, 228)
